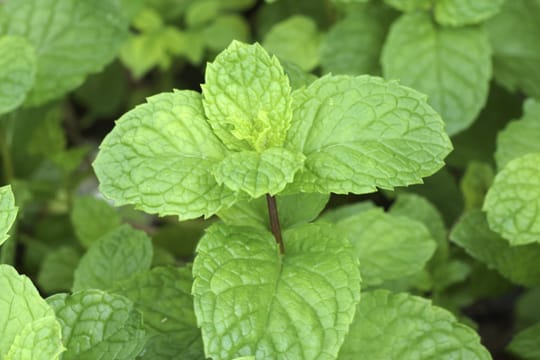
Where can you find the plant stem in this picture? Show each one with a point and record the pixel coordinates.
(274, 221)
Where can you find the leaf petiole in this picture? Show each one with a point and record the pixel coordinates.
(274, 221)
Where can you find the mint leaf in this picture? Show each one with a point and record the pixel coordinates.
(401, 326)
(355, 142)
(223, 29)
(513, 201)
(104, 219)
(38, 340)
(159, 157)
(516, 263)
(84, 34)
(465, 12)
(247, 98)
(116, 256)
(98, 325)
(451, 65)
(343, 212)
(410, 5)
(300, 304)
(259, 173)
(8, 212)
(296, 75)
(475, 183)
(17, 71)
(56, 272)
(389, 247)
(525, 344)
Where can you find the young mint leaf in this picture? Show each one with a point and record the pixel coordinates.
(38, 340)
(224, 29)
(159, 157)
(389, 247)
(247, 98)
(249, 300)
(56, 272)
(516, 263)
(526, 343)
(475, 184)
(17, 71)
(401, 326)
(465, 12)
(513, 201)
(104, 219)
(355, 142)
(85, 34)
(296, 75)
(410, 5)
(8, 212)
(117, 256)
(451, 65)
(98, 325)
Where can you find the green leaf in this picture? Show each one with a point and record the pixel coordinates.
(475, 184)
(104, 218)
(465, 12)
(297, 76)
(56, 272)
(8, 212)
(343, 212)
(514, 34)
(117, 256)
(17, 71)
(259, 173)
(159, 157)
(513, 201)
(359, 133)
(520, 137)
(451, 65)
(389, 247)
(300, 304)
(410, 5)
(295, 39)
(526, 344)
(401, 326)
(86, 35)
(163, 296)
(224, 29)
(247, 98)
(38, 340)
(516, 263)
(98, 325)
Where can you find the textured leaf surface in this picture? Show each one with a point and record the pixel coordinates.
(513, 201)
(410, 5)
(389, 247)
(98, 325)
(8, 212)
(56, 272)
(517, 263)
(117, 256)
(465, 12)
(85, 34)
(359, 133)
(247, 98)
(514, 34)
(452, 66)
(526, 344)
(401, 326)
(249, 300)
(38, 340)
(159, 157)
(17, 71)
(92, 218)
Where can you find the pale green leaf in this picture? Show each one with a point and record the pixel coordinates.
(343, 212)
(475, 184)
(250, 300)
(117, 256)
(258, 173)
(410, 5)
(465, 12)
(247, 98)
(526, 344)
(85, 35)
(297, 76)
(98, 325)
(159, 157)
(451, 65)
(8, 212)
(516, 263)
(388, 246)
(224, 29)
(56, 272)
(360, 133)
(17, 71)
(39, 340)
(513, 201)
(401, 326)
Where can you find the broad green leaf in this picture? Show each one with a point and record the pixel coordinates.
(250, 300)
(465, 12)
(451, 65)
(526, 309)
(17, 71)
(159, 157)
(85, 35)
(297, 76)
(39, 340)
(295, 39)
(117, 256)
(92, 218)
(513, 201)
(410, 5)
(56, 272)
(526, 344)
(163, 296)
(516, 263)
(389, 247)
(475, 184)
(98, 325)
(343, 212)
(401, 326)
(360, 133)
(247, 98)
(514, 34)
(258, 173)
(520, 137)
(224, 29)
(8, 212)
